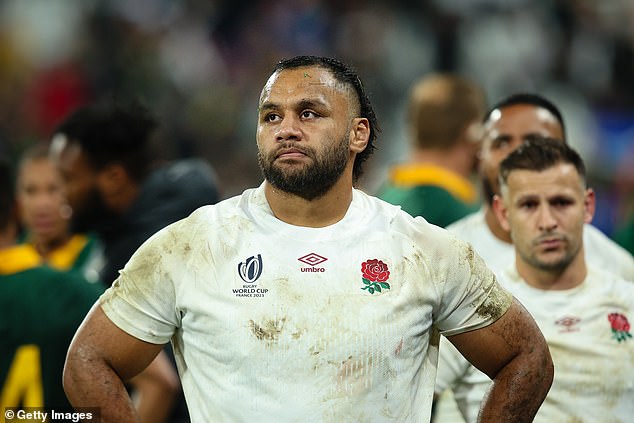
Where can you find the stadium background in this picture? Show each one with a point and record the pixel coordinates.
(200, 65)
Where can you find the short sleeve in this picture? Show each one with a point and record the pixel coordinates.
(472, 298)
(141, 301)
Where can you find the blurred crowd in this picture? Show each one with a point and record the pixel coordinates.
(199, 66)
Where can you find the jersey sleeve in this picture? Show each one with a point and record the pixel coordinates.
(141, 301)
(472, 298)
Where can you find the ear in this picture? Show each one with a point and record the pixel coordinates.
(472, 133)
(589, 203)
(359, 134)
(501, 212)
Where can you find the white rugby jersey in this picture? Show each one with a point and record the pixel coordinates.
(601, 251)
(588, 330)
(274, 322)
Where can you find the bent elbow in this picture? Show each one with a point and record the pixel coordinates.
(549, 369)
(69, 374)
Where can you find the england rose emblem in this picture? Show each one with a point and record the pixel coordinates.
(374, 275)
(620, 326)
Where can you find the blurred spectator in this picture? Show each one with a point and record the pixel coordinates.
(444, 121)
(45, 217)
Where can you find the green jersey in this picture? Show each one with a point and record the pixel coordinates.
(40, 310)
(437, 194)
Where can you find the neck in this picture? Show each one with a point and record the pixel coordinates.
(456, 159)
(495, 227)
(45, 246)
(554, 280)
(318, 213)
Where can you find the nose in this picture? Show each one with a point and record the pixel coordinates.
(288, 129)
(546, 220)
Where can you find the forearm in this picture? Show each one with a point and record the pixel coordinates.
(517, 391)
(90, 382)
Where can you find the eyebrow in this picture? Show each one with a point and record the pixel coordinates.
(302, 104)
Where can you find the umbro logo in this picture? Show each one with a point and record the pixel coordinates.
(312, 260)
(568, 324)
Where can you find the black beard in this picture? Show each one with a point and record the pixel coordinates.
(312, 181)
(92, 215)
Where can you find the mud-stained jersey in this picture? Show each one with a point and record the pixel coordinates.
(591, 342)
(274, 322)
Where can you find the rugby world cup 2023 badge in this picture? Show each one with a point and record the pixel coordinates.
(249, 271)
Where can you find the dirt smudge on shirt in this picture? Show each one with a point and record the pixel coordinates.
(268, 331)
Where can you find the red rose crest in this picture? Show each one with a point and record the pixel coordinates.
(374, 275)
(620, 326)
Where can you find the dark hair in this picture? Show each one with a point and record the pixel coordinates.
(109, 132)
(37, 151)
(540, 153)
(532, 99)
(7, 193)
(346, 75)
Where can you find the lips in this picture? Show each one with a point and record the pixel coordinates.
(290, 153)
(550, 242)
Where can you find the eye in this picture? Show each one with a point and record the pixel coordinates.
(271, 117)
(308, 114)
(500, 143)
(561, 202)
(29, 190)
(528, 205)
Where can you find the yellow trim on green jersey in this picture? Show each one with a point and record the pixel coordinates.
(18, 258)
(427, 174)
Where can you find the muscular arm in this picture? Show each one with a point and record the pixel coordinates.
(513, 353)
(100, 359)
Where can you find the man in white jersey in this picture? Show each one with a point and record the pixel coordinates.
(305, 299)
(508, 124)
(584, 312)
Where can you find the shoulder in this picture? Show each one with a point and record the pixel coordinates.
(610, 282)
(603, 252)
(209, 221)
(183, 179)
(471, 222)
(594, 235)
(431, 239)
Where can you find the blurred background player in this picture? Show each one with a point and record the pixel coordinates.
(444, 121)
(118, 187)
(116, 184)
(40, 310)
(583, 311)
(45, 217)
(508, 124)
